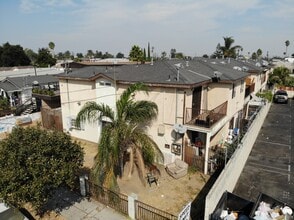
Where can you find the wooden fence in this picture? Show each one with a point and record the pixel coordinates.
(52, 118)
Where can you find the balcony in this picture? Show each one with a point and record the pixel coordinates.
(206, 118)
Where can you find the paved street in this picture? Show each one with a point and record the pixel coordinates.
(270, 166)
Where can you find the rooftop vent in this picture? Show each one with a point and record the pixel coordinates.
(245, 68)
(216, 76)
(237, 68)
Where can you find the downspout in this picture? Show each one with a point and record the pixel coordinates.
(184, 108)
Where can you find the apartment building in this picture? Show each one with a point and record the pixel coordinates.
(199, 101)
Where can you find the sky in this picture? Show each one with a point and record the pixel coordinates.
(193, 27)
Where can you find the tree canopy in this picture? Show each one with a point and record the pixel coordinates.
(228, 50)
(281, 76)
(123, 138)
(35, 162)
(136, 54)
(13, 55)
(45, 58)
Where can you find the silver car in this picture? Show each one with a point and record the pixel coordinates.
(281, 96)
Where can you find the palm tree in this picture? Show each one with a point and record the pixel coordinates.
(51, 47)
(259, 53)
(287, 43)
(228, 50)
(123, 139)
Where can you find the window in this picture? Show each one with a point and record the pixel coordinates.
(73, 125)
(102, 83)
(234, 91)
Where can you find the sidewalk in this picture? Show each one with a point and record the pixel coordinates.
(85, 209)
(72, 206)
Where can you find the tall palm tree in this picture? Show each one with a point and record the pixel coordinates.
(123, 138)
(287, 43)
(228, 50)
(51, 47)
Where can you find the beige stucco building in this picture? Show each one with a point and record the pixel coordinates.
(198, 101)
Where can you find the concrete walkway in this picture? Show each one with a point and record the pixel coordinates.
(71, 206)
(85, 209)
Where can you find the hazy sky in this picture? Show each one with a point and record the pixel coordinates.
(193, 27)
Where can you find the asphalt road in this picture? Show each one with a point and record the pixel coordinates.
(270, 166)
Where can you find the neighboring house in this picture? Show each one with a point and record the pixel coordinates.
(287, 63)
(19, 89)
(199, 101)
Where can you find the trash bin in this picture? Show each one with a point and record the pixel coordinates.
(232, 203)
(273, 204)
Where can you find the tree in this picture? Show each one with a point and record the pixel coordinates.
(90, 54)
(148, 52)
(179, 55)
(4, 103)
(13, 55)
(228, 50)
(34, 162)
(31, 55)
(218, 52)
(287, 43)
(173, 53)
(163, 55)
(144, 54)
(280, 76)
(98, 54)
(254, 56)
(67, 55)
(136, 54)
(122, 137)
(51, 46)
(45, 58)
(79, 55)
(259, 53)
(120, 55)
(107, 55)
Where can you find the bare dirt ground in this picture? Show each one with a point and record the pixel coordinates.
(170, 195)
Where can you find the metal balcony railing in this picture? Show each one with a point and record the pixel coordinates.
(206, 118)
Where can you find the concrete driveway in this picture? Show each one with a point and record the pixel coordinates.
(270, 166)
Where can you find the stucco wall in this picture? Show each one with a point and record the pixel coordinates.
(73, 95)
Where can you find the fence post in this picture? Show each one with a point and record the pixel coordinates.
(131, 205)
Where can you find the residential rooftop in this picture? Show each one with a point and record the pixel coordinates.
(170, 72)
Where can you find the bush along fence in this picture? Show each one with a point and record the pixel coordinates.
(127, 205)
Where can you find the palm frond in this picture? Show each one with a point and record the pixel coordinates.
(126, 97)
(149, 148)
(141, 111)
(92, 112)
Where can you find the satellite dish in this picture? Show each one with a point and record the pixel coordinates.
(180, 128)
(35, 82)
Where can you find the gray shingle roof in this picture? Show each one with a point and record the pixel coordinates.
(163, 72)
(16, 83)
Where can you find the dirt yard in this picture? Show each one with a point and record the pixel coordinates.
(170, 195)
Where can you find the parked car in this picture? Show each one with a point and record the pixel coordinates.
(281, 96)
